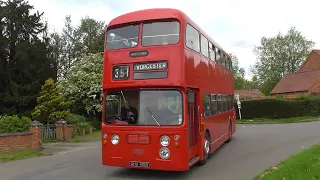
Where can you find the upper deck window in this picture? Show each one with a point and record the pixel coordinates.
(160, 33)
(212, 53)
(123, 37)
(192, 38)
(204, 46)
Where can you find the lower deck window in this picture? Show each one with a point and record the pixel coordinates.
(215, 104)
(149, 107)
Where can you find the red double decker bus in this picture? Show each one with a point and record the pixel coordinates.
(168, 92)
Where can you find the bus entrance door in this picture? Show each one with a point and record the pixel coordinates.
(193, 125)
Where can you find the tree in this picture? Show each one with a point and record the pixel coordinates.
(75, 42)
(65, 46)
(238, 73)
(90, 36)
(56, 45)
(24, 57)
(84, 83)
(51, 104)
(240, 82)
(278, 56)
(254, 83)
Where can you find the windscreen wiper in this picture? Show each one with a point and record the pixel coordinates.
(153, 117)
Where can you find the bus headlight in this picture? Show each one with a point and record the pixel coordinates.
(164, 153)
(165, 141)
(115, 139)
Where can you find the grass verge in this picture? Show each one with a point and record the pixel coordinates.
(278, 121)
(94, 136)
(13, 156)
(303, 166)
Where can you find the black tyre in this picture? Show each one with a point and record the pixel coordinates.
(230, 132)
(206, 149)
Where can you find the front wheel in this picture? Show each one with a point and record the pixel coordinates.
(206, 149)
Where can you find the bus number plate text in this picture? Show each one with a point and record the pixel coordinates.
(139, 164)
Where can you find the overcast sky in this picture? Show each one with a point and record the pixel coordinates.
(237, 25)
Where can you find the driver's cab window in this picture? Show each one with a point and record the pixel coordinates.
(149, 107)
(166, 107)
(115, 101)
(171, 103)
(112, 106)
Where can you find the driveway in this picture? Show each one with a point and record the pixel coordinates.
(253, 148)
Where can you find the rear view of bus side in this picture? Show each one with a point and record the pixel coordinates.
(168, 92)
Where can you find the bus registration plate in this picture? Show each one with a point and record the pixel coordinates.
(139, 164)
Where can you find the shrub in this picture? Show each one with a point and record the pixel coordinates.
(83, 125)
(279, 108)
(75, 119)
(52, 106)
(97, 123)
(13, 124)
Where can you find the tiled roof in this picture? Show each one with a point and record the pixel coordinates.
(250, 93)
(313, 63)
(296, 82)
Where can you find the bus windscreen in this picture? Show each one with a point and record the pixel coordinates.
(149, 107)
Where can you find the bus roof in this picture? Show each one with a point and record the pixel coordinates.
(159, 13)
(140, 15)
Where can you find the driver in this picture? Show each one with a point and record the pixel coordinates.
(129, 113)
(165, 114)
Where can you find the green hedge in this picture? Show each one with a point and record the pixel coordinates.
(75, 119)
(83, 125)
(279, 108)
(96, 123)
(14, 124)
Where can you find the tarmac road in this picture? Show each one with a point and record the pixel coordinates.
(253, 148)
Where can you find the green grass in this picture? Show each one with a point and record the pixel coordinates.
(49, 140)
(13, 156)
(94, 136)
(278, 121)
(302, 166)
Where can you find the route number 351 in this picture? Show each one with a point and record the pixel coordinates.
(120, 72)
